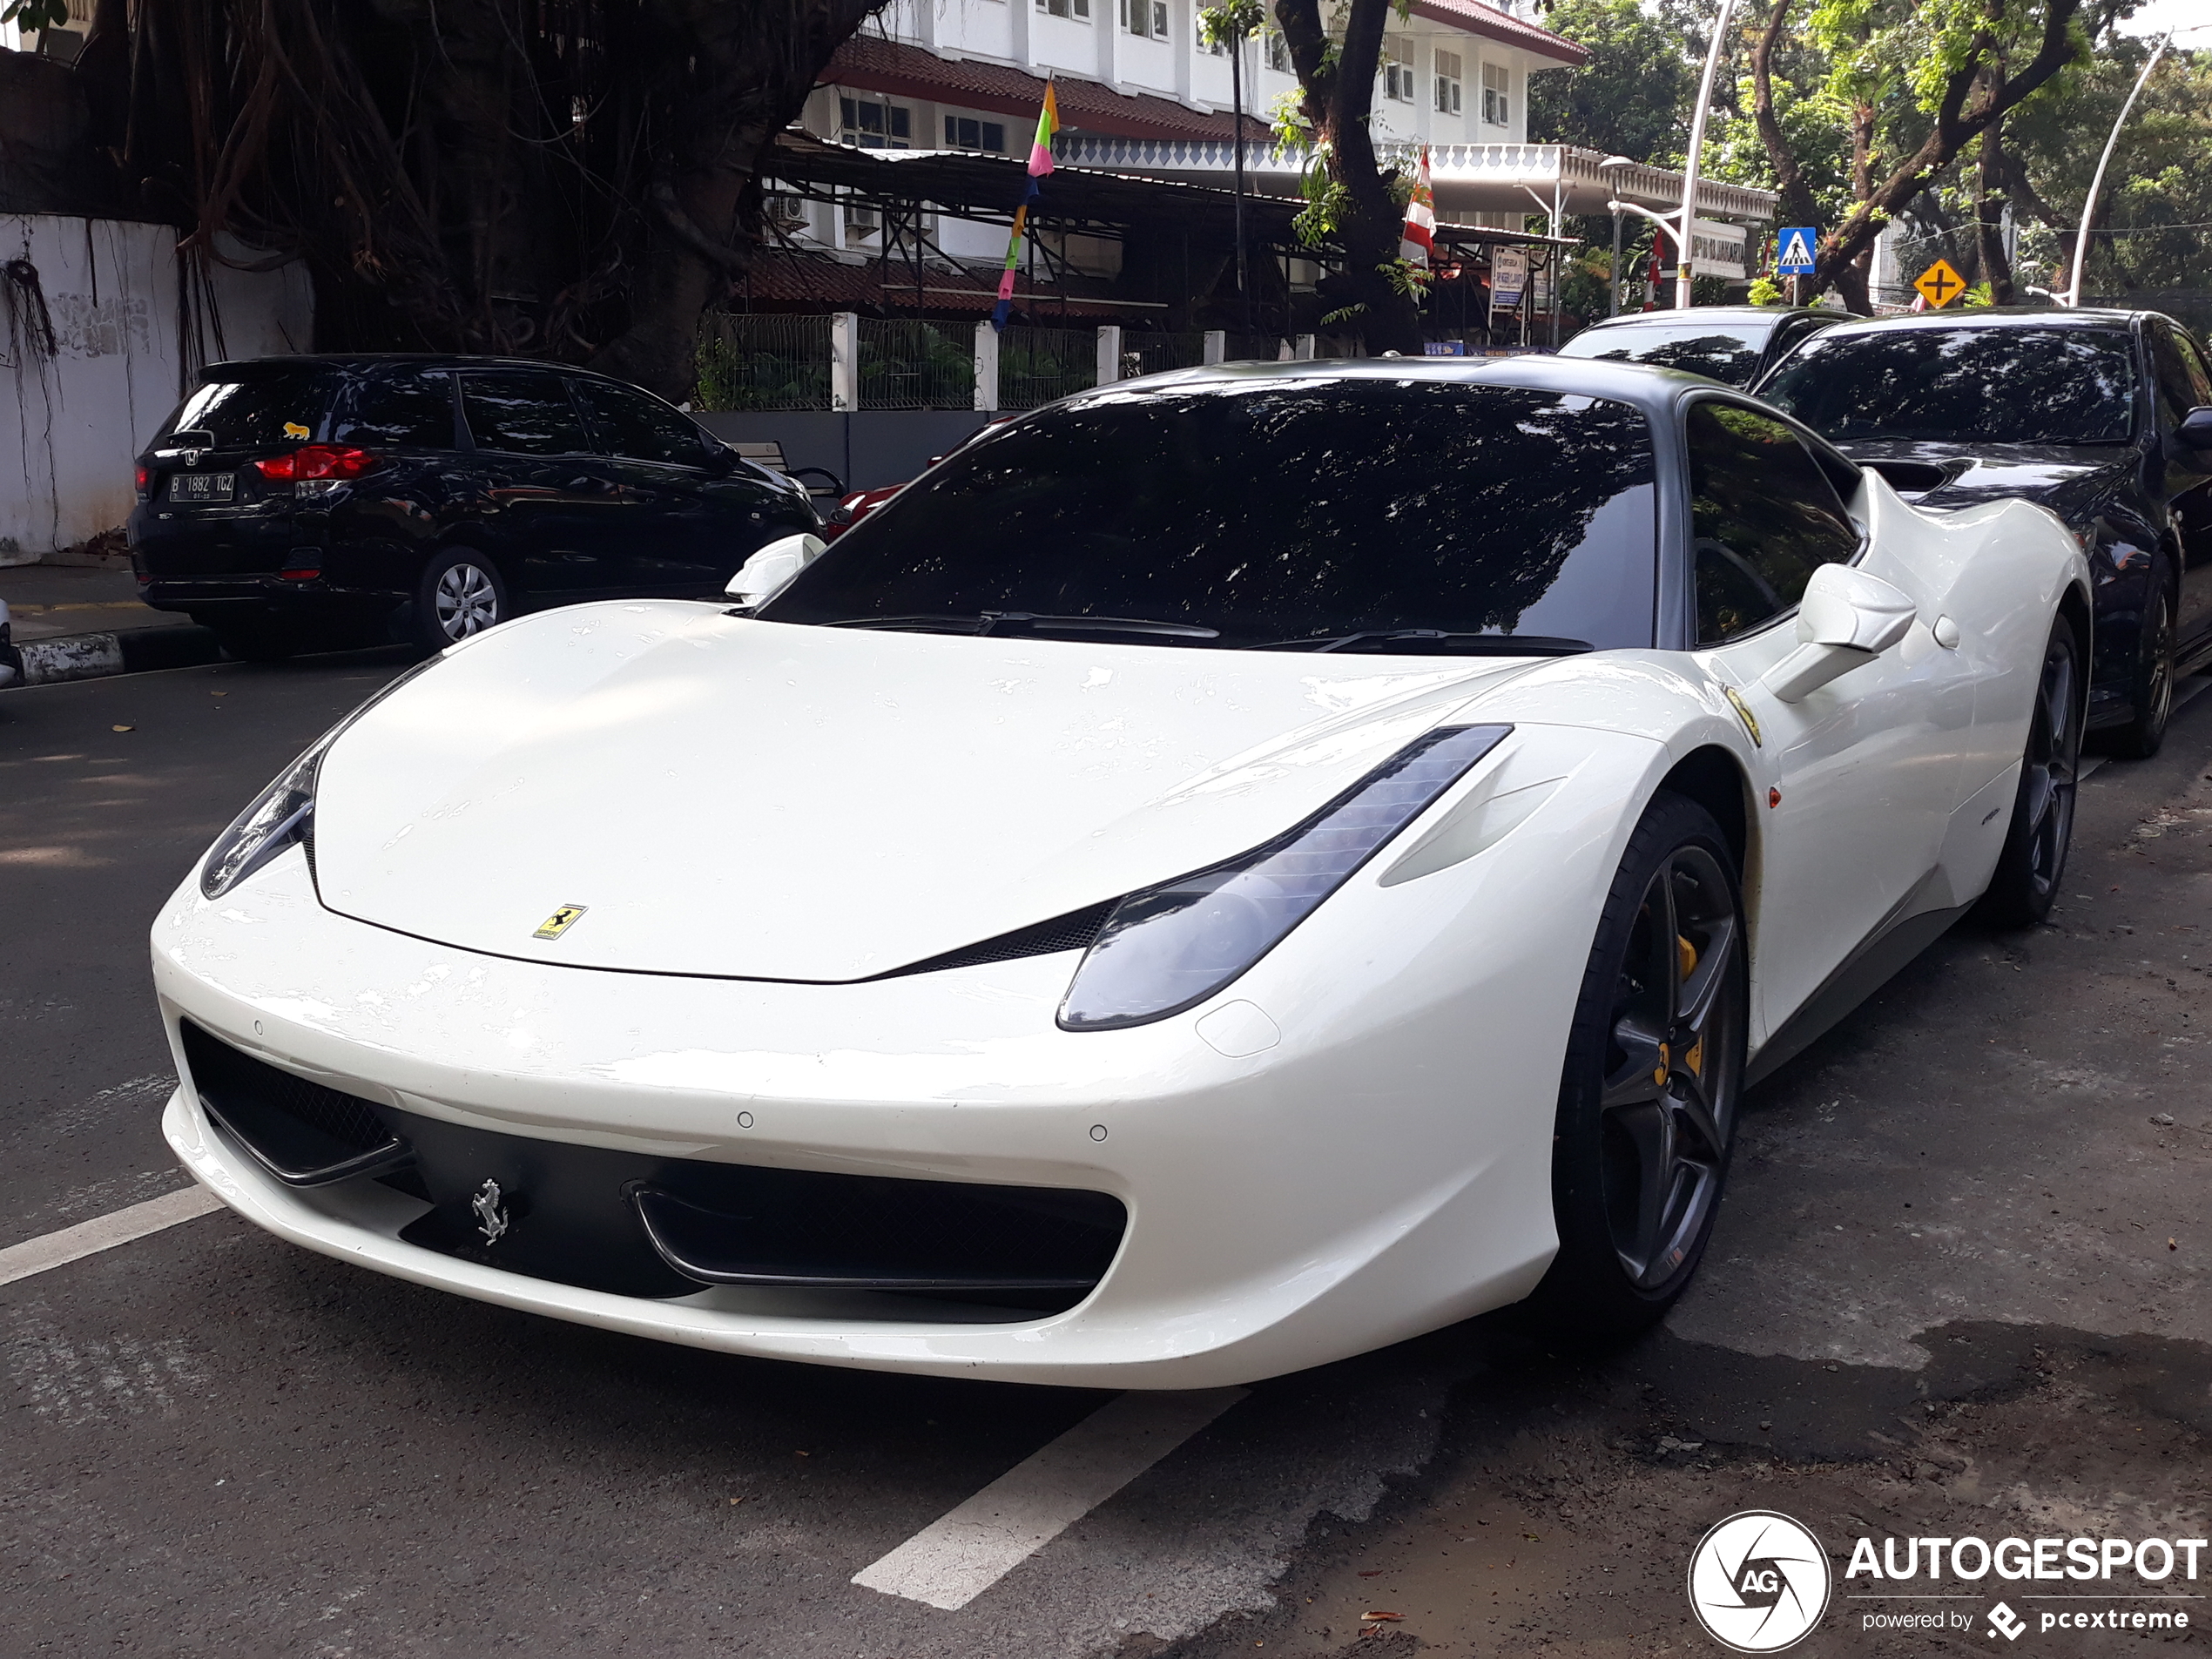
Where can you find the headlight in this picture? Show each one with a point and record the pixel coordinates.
(1172, 947)
(284, 811)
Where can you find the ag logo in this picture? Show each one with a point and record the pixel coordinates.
(1759, 1582)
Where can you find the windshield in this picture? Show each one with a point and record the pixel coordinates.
(1726, 353)
(1967, 385)
(1289, 513)
(275, 406)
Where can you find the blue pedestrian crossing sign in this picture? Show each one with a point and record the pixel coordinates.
(1796, 244)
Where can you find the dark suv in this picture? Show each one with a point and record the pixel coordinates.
(2105, 417)
(293, 503)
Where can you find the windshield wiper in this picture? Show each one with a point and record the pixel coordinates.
(1494, 645)
(989, 622)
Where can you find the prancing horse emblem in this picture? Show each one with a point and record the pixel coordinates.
(491, 1215)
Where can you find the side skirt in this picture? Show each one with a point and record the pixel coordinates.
(1888, 948)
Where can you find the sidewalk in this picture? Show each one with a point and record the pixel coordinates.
(71, 623)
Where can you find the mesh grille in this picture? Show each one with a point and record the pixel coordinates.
(247, 1089)
(1074, 931)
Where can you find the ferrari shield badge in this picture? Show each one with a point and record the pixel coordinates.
(559, 922)
(1744, 713)
(491, 1214)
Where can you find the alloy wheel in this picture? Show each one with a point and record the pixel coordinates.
(2054, 764)
(1669, 1097)
(2158, 681)
(467, 602)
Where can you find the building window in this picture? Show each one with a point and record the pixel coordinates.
(1398, 69)
(964, 132)
(875, 126)
(1079, 9)
(1146, 19)
(1497, 98)
(1279, 53)
(1211, 48)
(1447, 83)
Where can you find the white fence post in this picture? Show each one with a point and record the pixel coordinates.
(1110, 352)
(1302, 348)
(1217, 345)
(987, 367)
(844, 360)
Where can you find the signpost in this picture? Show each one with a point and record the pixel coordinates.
(1797, 242)
(1939, 285)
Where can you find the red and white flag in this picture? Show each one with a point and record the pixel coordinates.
(1417, 240)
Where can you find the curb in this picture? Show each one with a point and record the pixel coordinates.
(87, 656)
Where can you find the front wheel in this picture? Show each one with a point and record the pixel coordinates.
(2151, 686)
(1655, 1068)
(2028, 870)
(461, 594)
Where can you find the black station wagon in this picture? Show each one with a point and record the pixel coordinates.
(294, 503)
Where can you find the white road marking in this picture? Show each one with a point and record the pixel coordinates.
(104, 1233)
(954, 1559)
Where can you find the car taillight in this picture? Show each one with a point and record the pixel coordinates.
(142, 480)
(317, 460)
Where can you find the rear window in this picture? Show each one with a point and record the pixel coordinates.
(1971, 385)
(259, 410)
(398, 411)
(1296, 515)
(1731, 354)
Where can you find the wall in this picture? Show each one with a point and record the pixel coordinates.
(70, 424)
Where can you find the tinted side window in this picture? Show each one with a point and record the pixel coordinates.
(399, 410)
(643, 428)
(1763, 518)
(522, 413)
(2178, 390)
(2193, 361)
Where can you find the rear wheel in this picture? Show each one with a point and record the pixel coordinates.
(2151, 688)
(461, 594)
(1655, 1067)
(2029, 868)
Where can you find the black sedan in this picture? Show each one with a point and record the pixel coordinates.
(2103, 416)
(292, 502)
(1731, 344)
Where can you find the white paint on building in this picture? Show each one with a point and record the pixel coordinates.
(72, 421)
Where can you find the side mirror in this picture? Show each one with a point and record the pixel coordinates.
(2195, 430)
(1846, 620)
(764, 575)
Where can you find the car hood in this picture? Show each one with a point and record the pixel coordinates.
(2069, 479)
(760, 799)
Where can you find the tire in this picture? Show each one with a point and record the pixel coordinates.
(1654, 1072)
(2034, 861)
(461, 593)
(2150, 688)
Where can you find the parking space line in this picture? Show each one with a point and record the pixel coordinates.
(955, 1559)
(104, 1233)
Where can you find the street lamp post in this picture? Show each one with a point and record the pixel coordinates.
(1684, 237)
(1236, 105)
(1609, 168)
(2097, 182)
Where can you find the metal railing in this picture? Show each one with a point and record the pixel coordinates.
(1038, 365)
(907, 364)
(763, 362)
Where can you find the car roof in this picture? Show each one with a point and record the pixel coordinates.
(2105, 320)
(1656, 391)
(1719, 314)
(360, 360)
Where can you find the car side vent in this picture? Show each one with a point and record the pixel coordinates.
(1074, 931)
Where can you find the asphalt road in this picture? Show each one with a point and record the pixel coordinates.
(1959, 1285)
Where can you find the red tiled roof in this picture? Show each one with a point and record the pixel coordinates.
(869, 65)
(1494, 24)
(778, 278)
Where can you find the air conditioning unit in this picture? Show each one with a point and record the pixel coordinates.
(787, 211)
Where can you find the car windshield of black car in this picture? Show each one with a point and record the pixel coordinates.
(1969, 385)
(1275, 513)
(1723, 353)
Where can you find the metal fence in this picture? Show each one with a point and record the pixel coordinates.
(763, 362)
(1038, 365)
(911, 365)
(1156, 353)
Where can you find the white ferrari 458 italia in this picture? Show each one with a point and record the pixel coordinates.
(1226, 872)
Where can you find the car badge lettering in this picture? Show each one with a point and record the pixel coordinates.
(491, 1215)
(559, 922)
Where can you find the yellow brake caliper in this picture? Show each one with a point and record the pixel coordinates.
(1694, 1057)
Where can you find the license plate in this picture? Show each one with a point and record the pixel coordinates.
(202, 486)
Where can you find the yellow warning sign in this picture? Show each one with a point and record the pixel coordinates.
(1939, 285)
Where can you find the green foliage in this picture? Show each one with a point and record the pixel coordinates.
(1979, 296)
(1634, 96)
(1232, 21)
(1406, 277)
(30, 15)
(1765, 291)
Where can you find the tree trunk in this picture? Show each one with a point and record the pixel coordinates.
(1799, 206)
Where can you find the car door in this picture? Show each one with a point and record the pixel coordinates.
(2184, 383)
(553, 518)
(1863, 772)
(700, 515)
